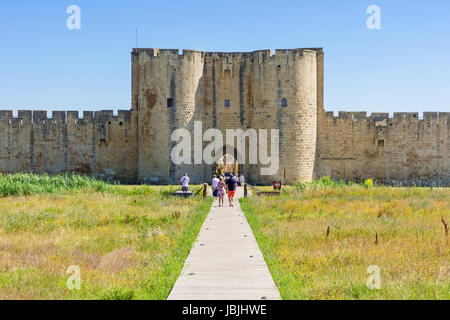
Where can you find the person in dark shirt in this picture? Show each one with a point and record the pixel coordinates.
(231, 186)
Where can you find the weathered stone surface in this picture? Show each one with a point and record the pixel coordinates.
(97, 144)
(403, 149)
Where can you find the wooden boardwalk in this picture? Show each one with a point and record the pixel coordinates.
(225, 262)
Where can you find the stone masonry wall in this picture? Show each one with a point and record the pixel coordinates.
(98, 144)
(403, 149)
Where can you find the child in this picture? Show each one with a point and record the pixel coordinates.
(221, 187)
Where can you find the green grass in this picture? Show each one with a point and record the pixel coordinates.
(324, 182)
(130, 242)
(412, 250)
(23, 184)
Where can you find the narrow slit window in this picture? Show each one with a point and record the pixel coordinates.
(284, 102)
(227, 103)
(169, 102)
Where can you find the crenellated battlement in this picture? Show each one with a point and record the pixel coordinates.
(38, 117)
(429, 118)
(267, 53)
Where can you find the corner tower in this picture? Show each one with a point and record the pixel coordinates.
(295, 99)
(164, 89)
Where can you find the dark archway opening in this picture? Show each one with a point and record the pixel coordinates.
(228, 163)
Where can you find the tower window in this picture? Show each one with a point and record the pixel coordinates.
(284, 102)
(381, 143)
(227, 103)
(169, 102)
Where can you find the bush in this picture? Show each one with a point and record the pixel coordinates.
(368, 183)
(117, 294)
(23, 184)
(324, 182)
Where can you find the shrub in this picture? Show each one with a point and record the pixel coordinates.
(117, 294)
(23, 184)
(323, 182)
(368, 183)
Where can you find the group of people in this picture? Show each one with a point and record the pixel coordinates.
(220, 186)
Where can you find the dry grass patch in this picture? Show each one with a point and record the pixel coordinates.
(129, 242)
(397, 229)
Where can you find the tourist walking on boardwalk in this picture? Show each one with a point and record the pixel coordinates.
(214, 183)
(241, 180)
(221, 186)
(185, 182)
(231, 186)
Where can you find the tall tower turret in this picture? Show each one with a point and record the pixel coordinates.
(165, 85)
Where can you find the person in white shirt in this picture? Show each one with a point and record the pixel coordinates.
(185, 183)
(241, 180)
(214, 184)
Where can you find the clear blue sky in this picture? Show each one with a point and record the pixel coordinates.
(405, 66)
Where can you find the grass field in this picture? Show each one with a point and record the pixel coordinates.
(397, 229)
(130, 242)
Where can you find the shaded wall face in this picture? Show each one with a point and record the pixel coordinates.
(225, 91)
(99, 144)
(402, 149)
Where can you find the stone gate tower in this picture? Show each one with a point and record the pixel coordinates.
(233, 90)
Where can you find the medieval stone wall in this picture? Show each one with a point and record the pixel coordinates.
(234, 90)
(403, 149)
(98, 144)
